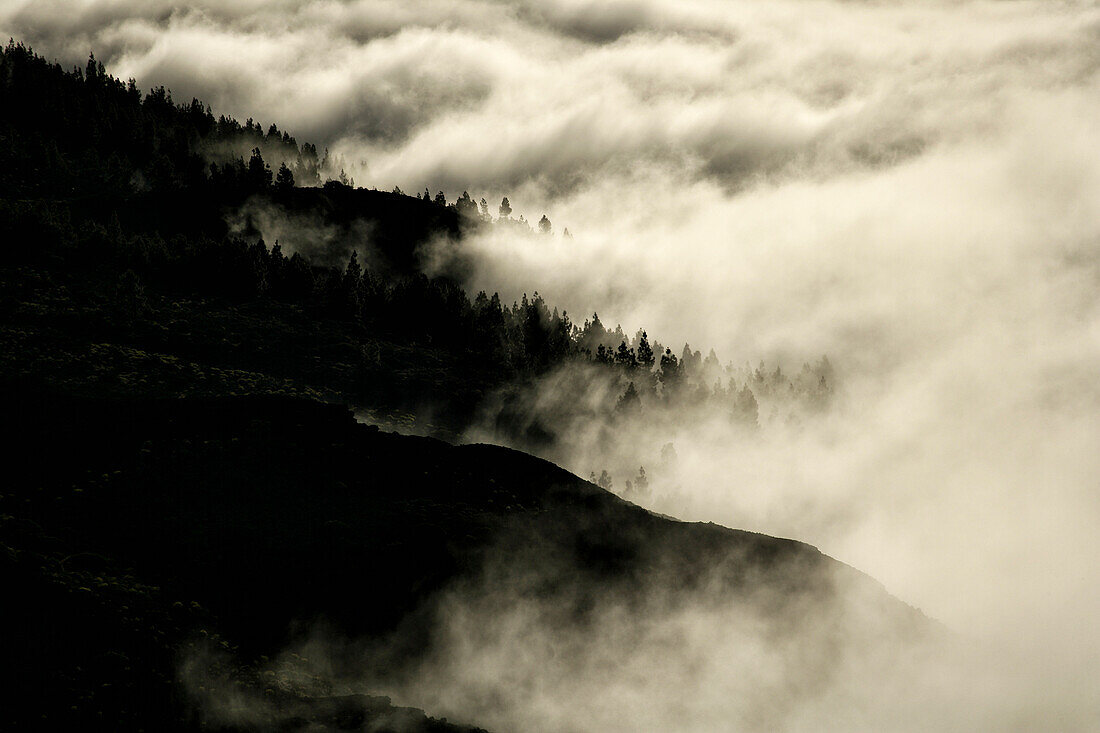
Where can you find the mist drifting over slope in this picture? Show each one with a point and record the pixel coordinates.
(911, 188)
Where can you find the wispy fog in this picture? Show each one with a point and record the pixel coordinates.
(911, 188)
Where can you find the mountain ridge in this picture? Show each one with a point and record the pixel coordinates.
(258, 508)
(192, 499)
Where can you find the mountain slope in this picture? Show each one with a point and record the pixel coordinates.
(258, 520)
(198, 535)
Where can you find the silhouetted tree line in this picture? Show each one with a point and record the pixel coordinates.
(83, 132)
(77, 145)
(472, 212)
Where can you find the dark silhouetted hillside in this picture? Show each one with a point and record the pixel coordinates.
(145, 527)
(190, 494)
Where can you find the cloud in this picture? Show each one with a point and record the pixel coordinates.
(912, 188)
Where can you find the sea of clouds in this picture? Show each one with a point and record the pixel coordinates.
(912, 188)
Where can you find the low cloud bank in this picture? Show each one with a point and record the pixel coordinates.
(912, 189)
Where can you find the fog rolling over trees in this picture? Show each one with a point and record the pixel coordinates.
(911, 190)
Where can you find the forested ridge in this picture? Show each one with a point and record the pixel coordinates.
(115, 211)
(192, 506)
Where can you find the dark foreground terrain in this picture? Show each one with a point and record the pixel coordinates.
(156, 550)
(189, 504)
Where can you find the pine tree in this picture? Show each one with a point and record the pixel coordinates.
(670, 371)
(645, 352)
(625, 357)
(259, 174)
(284, 180)
(353, 271)
(629, 402)
(465, 206)
(746, 409)
(350, 285)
